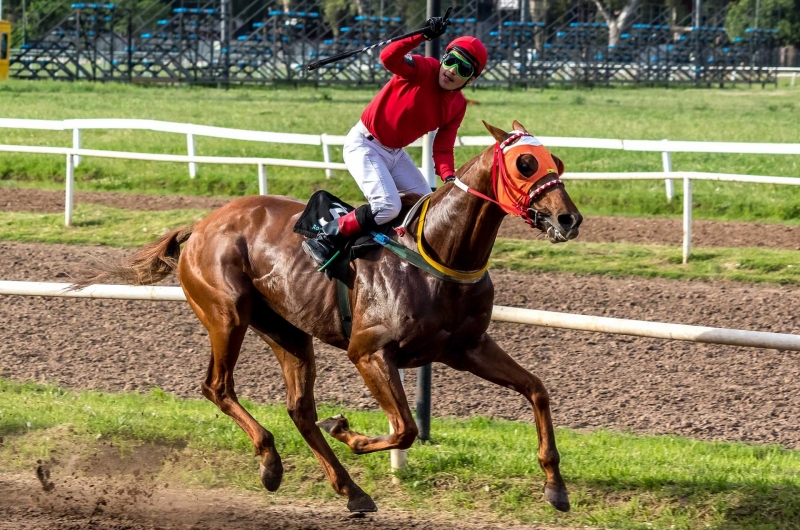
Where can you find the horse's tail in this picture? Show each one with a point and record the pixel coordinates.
(148, 265)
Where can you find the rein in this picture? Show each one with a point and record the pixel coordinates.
(502, 185)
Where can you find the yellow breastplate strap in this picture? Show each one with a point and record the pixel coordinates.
(460, 275)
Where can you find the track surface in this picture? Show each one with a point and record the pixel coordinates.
(595, 380)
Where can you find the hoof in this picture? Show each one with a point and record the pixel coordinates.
(557, 496)
(361, 502)
(270, 471)
(334, 425)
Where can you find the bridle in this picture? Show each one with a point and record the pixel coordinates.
(508, 195)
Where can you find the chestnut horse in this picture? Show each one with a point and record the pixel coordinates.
(242, 267)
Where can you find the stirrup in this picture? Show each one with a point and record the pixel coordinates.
(319, 257)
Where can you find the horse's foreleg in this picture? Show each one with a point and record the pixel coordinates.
(383, 380)
(488, 361)
(218, 387)
(295, 354)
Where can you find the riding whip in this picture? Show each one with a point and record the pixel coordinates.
(344, 55)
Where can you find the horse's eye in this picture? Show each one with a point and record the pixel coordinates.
(527, 165)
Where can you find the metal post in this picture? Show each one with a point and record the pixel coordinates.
(666, 161)
(70, 184)
(262, 179)
(434, 8)
(428, 170)
(326, 153)
(76, 144)
(397, 457)
(687, 219)
(424, 374)
(190, 152)
(696, 17)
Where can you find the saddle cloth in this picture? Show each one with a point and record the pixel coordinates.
(324, 207)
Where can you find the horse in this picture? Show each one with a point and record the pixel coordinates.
(242, 267)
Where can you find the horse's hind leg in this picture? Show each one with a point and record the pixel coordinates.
(295, 354)
(227, 320)
(488, 361)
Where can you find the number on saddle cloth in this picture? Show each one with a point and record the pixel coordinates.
(322, 208)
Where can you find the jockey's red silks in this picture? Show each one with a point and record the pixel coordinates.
(512, 189)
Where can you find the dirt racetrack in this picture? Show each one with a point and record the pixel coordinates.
(595, 380)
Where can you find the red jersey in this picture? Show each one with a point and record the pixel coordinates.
(412, 103)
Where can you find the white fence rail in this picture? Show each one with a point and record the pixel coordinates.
(665, 147)
(638, 328)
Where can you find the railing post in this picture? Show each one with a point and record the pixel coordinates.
(424, 402)
(666, 161)
(70, 182)
(397, 457)
(76, 144)
(326, 153)
(262, 179)
(190, 152)
(428, 170)
(687, 218)
(794, 78)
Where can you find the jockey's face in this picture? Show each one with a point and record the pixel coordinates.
(455, 72)
(449, 80)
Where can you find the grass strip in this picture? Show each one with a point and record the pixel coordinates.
(732, 115)
(102, 225)
(650, 261)
(474, 466)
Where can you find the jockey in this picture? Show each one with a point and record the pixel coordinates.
(423, 95)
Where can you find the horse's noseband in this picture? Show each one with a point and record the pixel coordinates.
(533, 216)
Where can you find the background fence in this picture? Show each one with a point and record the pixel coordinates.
(270, 41)
(664, 147)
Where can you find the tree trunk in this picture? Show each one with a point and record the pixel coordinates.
(538, 12)
(617, 24)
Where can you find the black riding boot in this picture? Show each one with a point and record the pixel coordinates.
(326, 244)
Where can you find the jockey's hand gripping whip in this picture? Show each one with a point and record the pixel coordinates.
(344, 55)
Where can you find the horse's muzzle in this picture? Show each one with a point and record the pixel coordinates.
(564, 228)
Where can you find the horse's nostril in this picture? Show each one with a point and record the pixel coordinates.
(567, 221)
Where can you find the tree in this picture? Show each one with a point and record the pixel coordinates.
(618, 21)
(783, 15)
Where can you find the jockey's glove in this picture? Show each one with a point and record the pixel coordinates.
(434, 28)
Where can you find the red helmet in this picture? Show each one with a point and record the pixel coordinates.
(473, 50)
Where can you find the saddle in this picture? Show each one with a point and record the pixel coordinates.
(324, 207)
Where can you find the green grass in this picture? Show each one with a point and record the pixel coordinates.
(650, 261)
(741, 114)
(101, 225)
(94, 225)
(471, 466)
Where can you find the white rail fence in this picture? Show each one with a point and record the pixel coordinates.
(638, 328)
(665, 147)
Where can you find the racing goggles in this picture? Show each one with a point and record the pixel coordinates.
(464, 68)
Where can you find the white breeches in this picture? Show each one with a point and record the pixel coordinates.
(381, 172)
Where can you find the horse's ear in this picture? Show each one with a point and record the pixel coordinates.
(497, 133)
(517, 126)
(559, 164)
